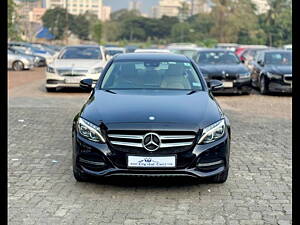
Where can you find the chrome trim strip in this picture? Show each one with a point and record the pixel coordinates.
(209, 164)
(125, 136)
(91, 162)
(168, 145)
(174, 137)
(131, 144)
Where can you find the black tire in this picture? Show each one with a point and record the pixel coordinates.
(246, 92)
(79, 176)
(18, 66)
(263, 87)
(220, 178)
(50, 89)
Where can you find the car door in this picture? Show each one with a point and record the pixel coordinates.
(10, 58)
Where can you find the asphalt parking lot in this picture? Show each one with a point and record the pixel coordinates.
(42, 189)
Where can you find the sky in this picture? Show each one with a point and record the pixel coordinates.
(121, 4)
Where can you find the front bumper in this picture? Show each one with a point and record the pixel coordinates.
(279, 86)
(54, 80)
(100, 160)
(238, 87)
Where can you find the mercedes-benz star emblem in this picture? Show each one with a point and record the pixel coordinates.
(151, 118)
(151, 142)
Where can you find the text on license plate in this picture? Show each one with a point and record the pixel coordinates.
(227, 84)
(150, 162)
(73, 80)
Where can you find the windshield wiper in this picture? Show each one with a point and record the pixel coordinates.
(192, 91)
(110, 91)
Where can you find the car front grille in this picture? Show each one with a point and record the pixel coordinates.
(170, 141)
(70, 72)
(224, 77)
(287, 78)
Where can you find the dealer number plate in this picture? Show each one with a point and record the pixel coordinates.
(73, 80)
(227, 84)
(152, 162)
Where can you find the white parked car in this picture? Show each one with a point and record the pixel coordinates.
(19, 62)
(73, 64)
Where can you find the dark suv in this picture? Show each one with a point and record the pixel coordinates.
(272, 71)
(151, 114)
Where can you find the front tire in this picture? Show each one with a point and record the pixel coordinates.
(50, 89)
(222, 177)
(79, 176)
(263, 87)
(18, 66)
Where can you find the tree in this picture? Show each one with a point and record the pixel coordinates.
(97, 32)
(12, 21)
(80, 26)
(55, 21)
(181, 32)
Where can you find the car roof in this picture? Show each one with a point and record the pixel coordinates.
(78, 46)
(215, 50)
(151, 56)
(275, 50)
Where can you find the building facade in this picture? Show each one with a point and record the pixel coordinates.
(262, 6)
(36, 14)
(77, 7)
(168, 8)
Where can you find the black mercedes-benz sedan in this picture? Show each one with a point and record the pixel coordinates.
(151, 114)
(272, 71)
(225, 66)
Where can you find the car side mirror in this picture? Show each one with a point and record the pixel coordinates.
(214, 84)
(86, 84)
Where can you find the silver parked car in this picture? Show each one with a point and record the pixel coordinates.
(19, 62)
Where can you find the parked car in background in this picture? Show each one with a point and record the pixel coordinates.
(224, 65)
(149, 50)
(288, 47)
(73, 64)
(184, 50)
(111, 51)
(37, 60)
(247, 56)
(19, 62)
(29, 49)
(227, 46)
(130, 48)
(151, 115)
(272, 71)
(241, 48)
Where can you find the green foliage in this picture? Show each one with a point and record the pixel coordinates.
(97, 32)
(13, 33)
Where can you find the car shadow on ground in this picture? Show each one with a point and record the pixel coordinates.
(68, 90)
(153, 182)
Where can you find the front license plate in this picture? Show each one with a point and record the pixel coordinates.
(227, 84)
(152, 162)
(73, 80)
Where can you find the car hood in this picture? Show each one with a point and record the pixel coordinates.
(75, 63)
(278, 69)
(218, 69)
(194, 111)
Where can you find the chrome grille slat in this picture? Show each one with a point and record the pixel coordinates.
(178, 144)
(125, 136)
(130, 144)
(174, 137)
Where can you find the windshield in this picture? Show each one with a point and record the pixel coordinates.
(151, 75)
(80, 53)
(217, 58)
(278, 58)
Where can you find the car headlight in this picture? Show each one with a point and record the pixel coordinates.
(50, 69)
(213, 132)
(274, 76)
(90, 131)
(36, 59)
(96, 70)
